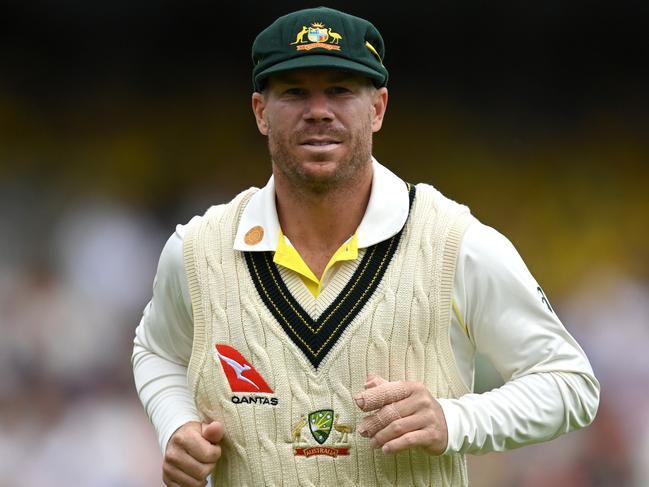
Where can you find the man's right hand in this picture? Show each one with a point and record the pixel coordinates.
(191, 454)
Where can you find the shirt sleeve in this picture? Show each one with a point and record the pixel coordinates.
(163, 344)
(549, 384)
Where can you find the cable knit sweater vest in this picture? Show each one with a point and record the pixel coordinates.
(279, 367)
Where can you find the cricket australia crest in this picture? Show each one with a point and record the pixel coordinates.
(317, 35)
(320, 423)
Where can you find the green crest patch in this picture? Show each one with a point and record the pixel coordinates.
(320, 423)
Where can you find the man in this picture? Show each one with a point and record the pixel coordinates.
(322, 330)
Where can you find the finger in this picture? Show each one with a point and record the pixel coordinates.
(398, 428)
(213, 432)
(373, 381)
(173, 475)
(184, 435)
(373, 423)
(184, 462)
(176, 484)
(203, 451)
(409, 440)
(379, 396)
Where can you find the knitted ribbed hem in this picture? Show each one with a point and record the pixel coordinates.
(193, 284)
(452, 248)
(193, 253)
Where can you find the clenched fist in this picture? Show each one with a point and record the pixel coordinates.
(405, 415)
(191, 454)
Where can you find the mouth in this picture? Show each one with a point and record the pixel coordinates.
(320, 143)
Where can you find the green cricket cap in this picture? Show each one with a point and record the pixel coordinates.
(319, 38)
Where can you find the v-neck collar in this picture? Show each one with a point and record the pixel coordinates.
(316, 336)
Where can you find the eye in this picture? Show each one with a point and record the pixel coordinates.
(294, 91)
(339, 90)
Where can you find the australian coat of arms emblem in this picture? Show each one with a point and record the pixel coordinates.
(317, 35)
(320, 441)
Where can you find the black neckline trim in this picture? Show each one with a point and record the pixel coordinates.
(315, 338)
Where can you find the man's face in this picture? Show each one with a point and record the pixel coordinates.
(319, 125)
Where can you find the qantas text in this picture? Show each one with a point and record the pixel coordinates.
(266, 401)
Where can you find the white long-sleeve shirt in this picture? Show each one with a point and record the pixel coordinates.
(499, 311)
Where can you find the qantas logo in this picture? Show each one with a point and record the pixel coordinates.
(242, 376)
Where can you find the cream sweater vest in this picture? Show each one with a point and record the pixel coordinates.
(301, 430)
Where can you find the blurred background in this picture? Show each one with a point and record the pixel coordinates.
(119, 119)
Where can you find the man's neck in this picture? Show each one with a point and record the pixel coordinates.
(318, 224)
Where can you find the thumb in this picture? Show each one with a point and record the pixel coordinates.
(212, 432)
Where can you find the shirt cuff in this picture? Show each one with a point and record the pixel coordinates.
(454, 433)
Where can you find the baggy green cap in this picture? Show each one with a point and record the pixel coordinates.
(319, 38)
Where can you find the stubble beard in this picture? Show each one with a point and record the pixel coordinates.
(349, 172)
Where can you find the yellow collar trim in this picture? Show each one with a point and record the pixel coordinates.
(287, 256)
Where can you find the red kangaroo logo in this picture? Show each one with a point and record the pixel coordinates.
(234, 366)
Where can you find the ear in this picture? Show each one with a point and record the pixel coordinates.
(258, 108)
(379, 105)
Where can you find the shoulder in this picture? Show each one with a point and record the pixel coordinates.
(440, 216)
(490, 269)
(429, 196)
(485, 247)
(480, 241)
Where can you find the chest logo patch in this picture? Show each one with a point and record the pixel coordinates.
(241, 376)
(320, 424)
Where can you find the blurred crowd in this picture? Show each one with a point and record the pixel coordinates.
(86, 210)
(70, 293)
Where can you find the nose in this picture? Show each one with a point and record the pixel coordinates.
(318, 108)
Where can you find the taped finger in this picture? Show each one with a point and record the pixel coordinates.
(381, 395)
(372, 424)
